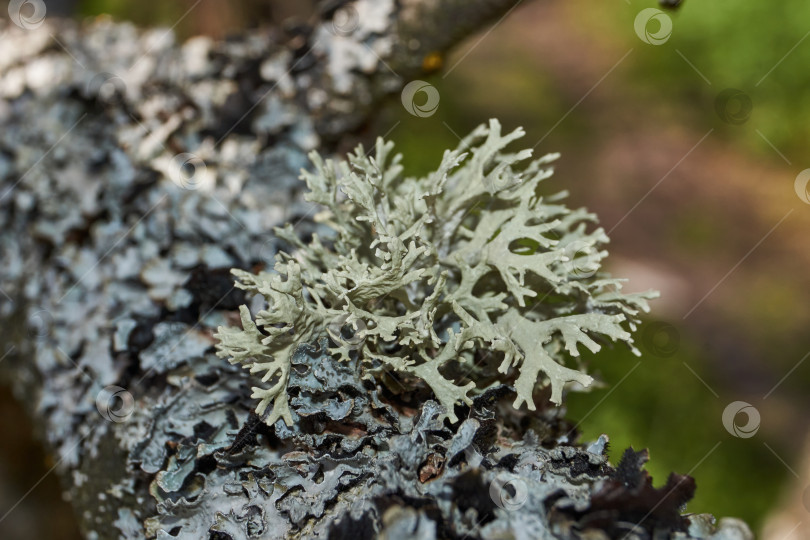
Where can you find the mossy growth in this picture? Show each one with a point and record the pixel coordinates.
(462, 279)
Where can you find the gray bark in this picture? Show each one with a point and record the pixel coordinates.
(134, 172)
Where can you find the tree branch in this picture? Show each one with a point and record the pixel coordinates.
(133, 174)
(116, 256)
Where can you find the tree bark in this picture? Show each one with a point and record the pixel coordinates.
(134, 173)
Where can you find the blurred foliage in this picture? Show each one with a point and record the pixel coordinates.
(759, 48)
(142, 13)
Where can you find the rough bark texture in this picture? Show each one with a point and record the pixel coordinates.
(133, 174)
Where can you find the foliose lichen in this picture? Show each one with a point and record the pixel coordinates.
(465, 278)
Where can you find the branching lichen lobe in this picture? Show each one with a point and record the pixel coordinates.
(444, 278)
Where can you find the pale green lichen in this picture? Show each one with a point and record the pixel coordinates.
(440, 278)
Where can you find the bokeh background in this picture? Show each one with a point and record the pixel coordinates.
(688, 150)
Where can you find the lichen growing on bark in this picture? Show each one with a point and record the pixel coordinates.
(118, 271)
(463, 278)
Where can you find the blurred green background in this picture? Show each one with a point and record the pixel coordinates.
(695, 189)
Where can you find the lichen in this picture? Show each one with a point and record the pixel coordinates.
(441, 278)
